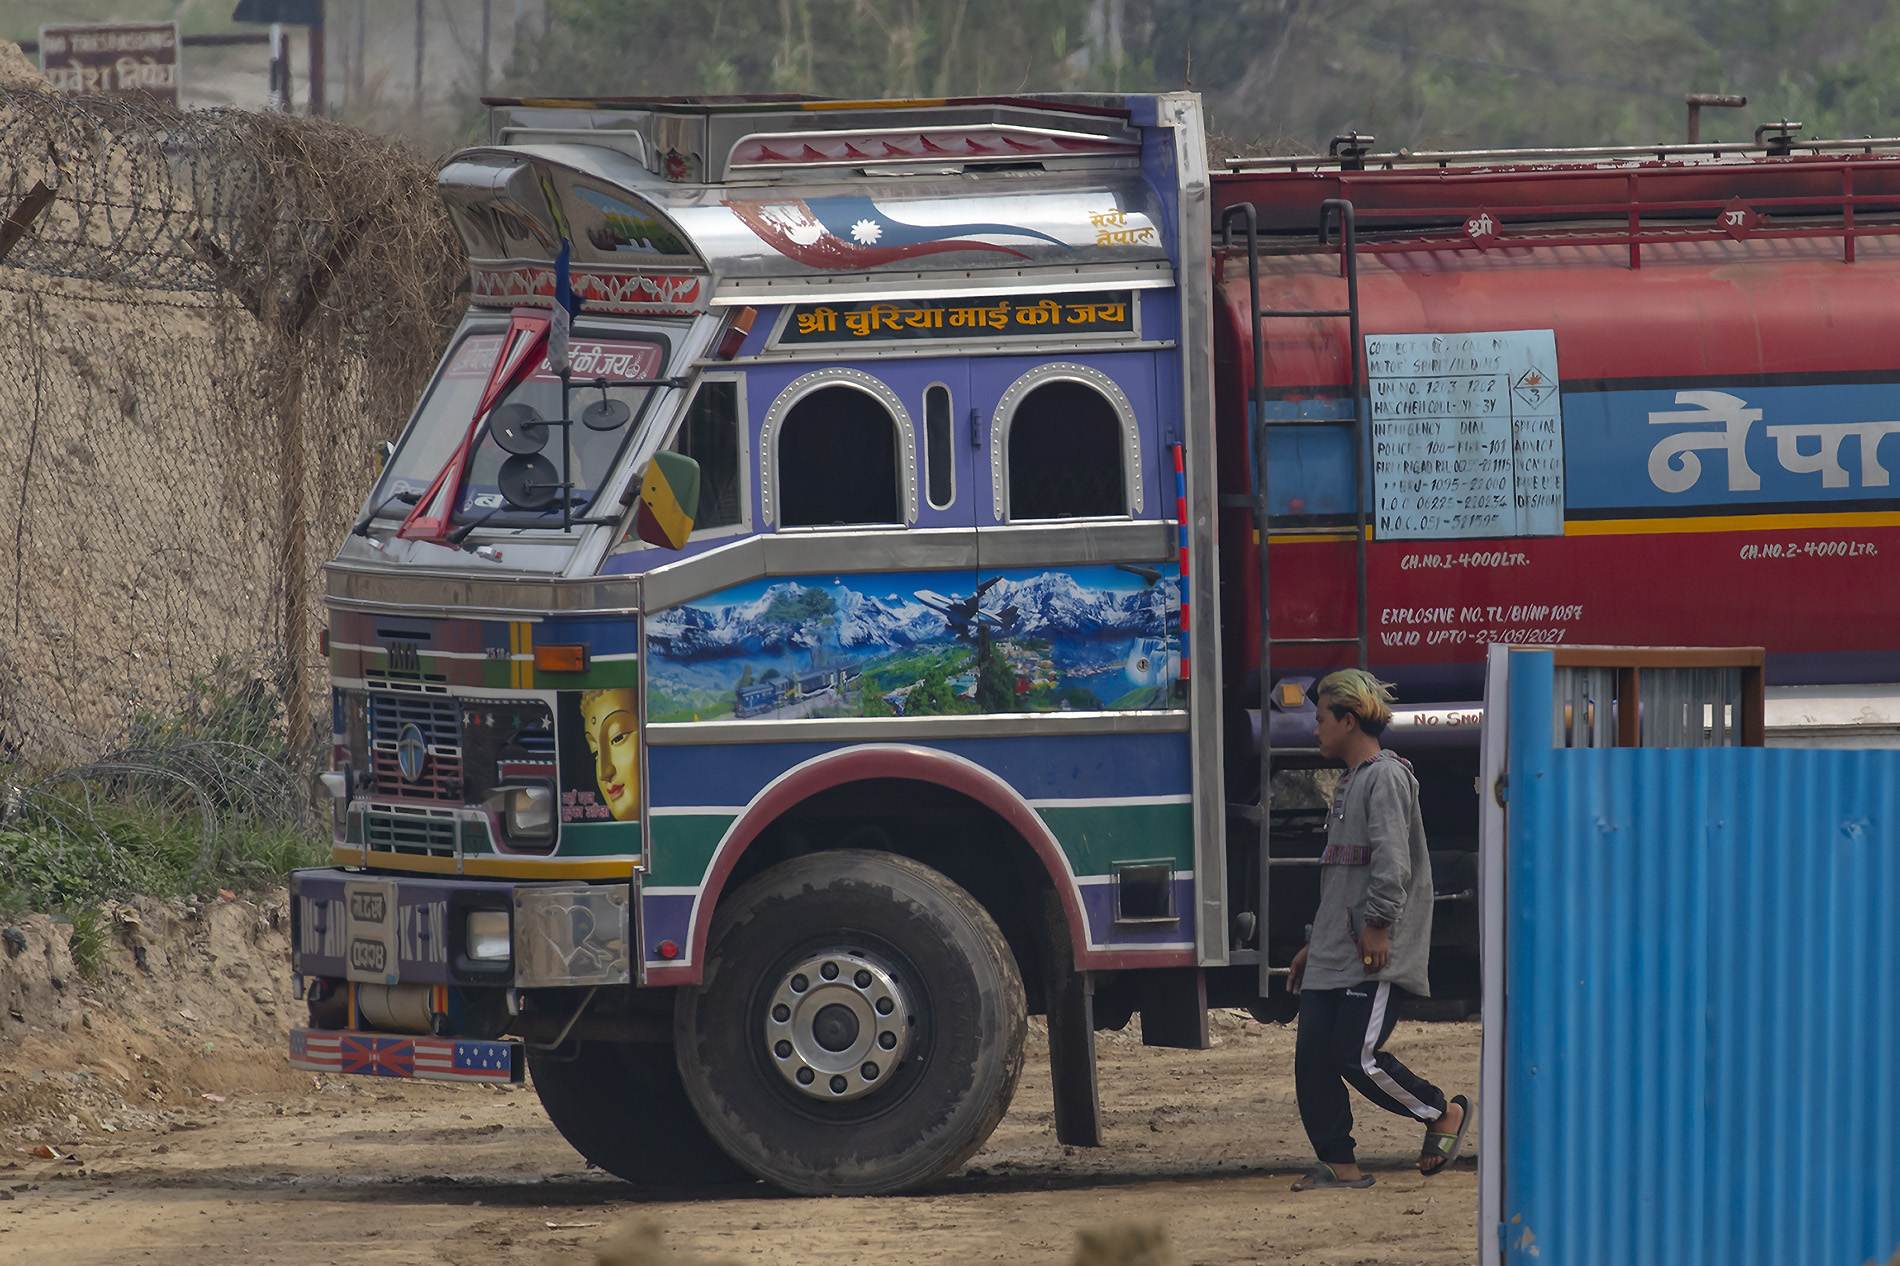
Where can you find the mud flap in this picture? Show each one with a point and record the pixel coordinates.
(1071, 996)
(1174, 1008)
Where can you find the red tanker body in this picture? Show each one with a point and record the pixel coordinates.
(1632, 402)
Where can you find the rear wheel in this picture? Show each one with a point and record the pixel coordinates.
(621, 1105)
(860, 1028)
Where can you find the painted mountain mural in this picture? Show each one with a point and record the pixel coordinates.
(1088, 639)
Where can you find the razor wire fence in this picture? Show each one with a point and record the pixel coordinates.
(208, 323)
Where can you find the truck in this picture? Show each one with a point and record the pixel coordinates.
(855, 579)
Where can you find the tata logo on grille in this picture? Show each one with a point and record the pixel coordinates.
(404, 658)
(412, 752)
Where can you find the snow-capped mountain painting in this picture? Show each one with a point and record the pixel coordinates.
(891, 644)
(784, 617)
(1056, 603)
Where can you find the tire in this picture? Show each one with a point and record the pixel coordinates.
(939, 1066)
(621, 1106)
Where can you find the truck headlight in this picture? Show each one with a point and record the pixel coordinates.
(487, 936)
(530, 813)
(527, 813)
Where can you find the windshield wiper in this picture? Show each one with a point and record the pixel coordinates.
(370, 516)
(460, 534)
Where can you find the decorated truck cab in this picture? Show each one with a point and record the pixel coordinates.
(854, 580)
(757, 845)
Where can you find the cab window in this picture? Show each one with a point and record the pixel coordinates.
(711, 435)
(837, 461)
(1065, 455)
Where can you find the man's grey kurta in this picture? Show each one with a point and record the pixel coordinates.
(1375, 863)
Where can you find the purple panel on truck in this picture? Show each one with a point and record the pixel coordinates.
(1173, 930)
(667, 917)
(376, 929)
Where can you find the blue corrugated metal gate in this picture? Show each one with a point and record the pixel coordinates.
(1701, 1040)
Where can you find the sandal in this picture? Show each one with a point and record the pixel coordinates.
(1323, 1176)
(1443, 1146)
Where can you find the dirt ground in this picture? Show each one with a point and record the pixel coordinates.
(147, 1115)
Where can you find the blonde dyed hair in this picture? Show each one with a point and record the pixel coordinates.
(1360, 693)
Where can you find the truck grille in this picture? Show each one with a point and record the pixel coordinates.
(440, 722)
(424, 833)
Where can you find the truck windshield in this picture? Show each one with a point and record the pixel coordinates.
(444, 418)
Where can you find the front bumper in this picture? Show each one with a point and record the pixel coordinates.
(393, 1055)
(397, 946)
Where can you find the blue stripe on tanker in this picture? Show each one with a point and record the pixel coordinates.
(1699, 443)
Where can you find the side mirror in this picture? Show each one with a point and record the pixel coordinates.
(669, 498)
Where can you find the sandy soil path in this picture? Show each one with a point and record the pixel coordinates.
(345, 1169)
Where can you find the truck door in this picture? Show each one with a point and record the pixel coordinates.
(1082, 575)
(947, 496)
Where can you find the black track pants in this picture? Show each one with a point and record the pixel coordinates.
(1341, 1035)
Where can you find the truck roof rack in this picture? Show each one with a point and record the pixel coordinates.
(711, 140)
(1624, 196)
(1076, 102)
(1352, 159)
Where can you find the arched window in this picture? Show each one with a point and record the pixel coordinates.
(838, 449)
(838, 461)
(1067, 440)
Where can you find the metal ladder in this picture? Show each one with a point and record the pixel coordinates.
(1262, 813)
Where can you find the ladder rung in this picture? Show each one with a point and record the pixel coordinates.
(1305, 312)
(1309, 422)
(1314, 641)
(1292, 861)
(1278, 971)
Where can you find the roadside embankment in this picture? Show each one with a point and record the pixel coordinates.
(182, 1000)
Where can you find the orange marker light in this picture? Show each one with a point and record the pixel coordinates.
(736, 333)
(560, 659)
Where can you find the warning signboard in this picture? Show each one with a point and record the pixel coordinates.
(122, 60)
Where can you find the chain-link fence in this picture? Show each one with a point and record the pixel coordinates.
(208, 322)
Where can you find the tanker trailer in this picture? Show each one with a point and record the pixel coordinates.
(1627, 396)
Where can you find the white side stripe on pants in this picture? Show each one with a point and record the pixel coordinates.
(1370, 1066)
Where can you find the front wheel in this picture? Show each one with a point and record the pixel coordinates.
(621, 1106)
(860, 1028)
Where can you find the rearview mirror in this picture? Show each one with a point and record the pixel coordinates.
(669, 499)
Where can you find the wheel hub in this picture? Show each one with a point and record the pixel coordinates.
(837, 1025)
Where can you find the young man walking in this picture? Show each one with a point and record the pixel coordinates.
(1368, 946)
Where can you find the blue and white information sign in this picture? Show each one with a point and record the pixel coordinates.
(1467, 434)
